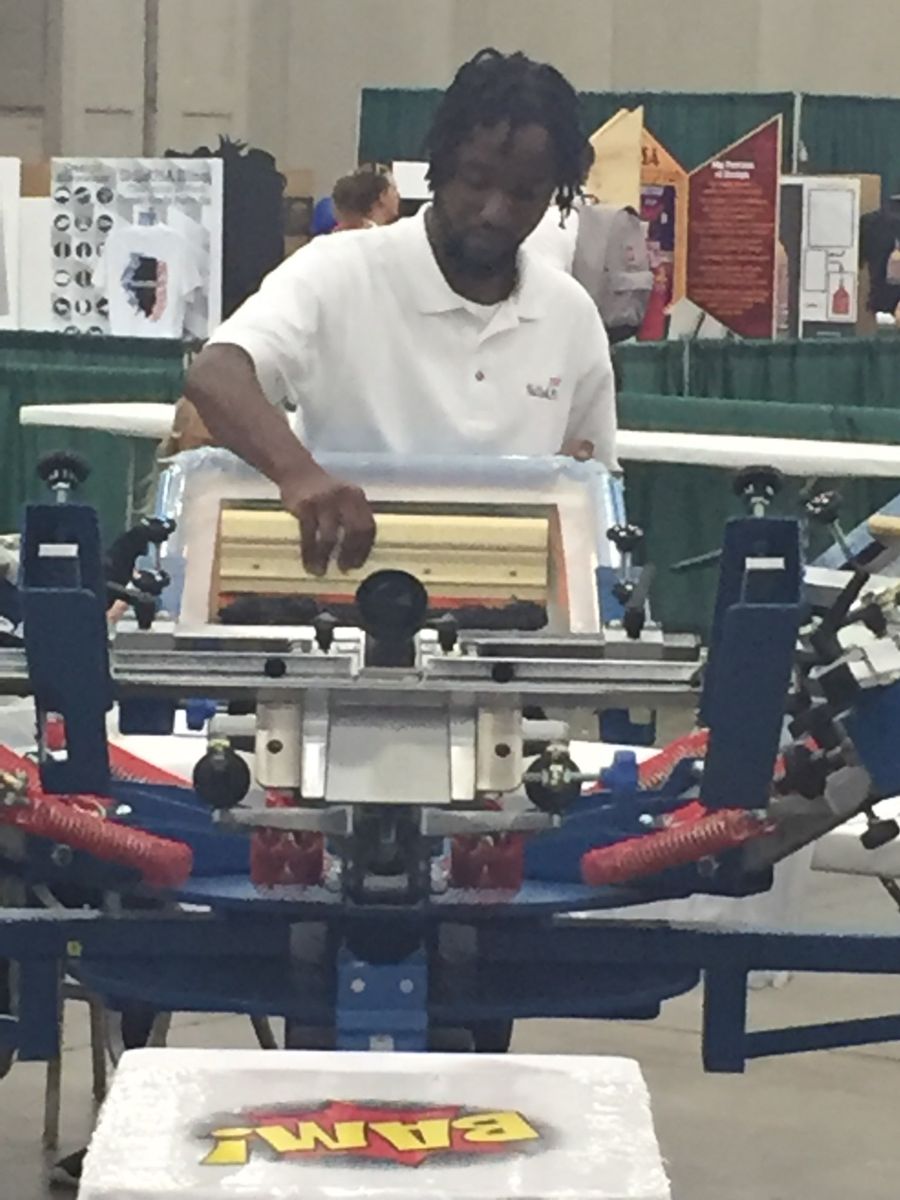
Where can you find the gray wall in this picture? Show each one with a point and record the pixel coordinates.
(286, 74)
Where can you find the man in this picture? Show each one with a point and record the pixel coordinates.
(365, 199)
(433, 335)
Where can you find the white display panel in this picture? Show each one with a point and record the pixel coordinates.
(136, 246)
(10, 184)
(827, 271)
(411, 181)
(35, 264)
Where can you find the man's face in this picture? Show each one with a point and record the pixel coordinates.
(387, 207)
(497, 194)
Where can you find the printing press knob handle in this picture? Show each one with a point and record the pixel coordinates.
(553, 781)
(758, 487)
(823, 508)
(158, 529)
(221, 777)
(325, 625)
(447, 628)
(626, 538)
(152, 583)
(879, 833)
(63, 470)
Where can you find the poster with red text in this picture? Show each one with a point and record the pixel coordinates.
(733, 219)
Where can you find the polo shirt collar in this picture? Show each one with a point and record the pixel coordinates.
(432, 294)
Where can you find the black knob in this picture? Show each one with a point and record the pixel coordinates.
(824, 508)
(758, 483)
(158, 529)
(805, 772)
(874, 618)
(63, 468)
(152, 583)
(633, 621)
(879, 833)
(817, 722)
(447, 629)
(221, 777)
(625, 538)
(549, 782)
(325, 624)
(392, 605)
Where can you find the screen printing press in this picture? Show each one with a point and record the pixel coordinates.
(391, 828)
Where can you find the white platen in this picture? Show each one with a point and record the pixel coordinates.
(310, 1126)
(140, 419)
(793, 456)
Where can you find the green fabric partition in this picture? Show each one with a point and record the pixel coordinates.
(19, 346)
(683, 509)
(31, 373)
(394, 122)
(694, 126)
(860, 134)
(651, 367)
(846, 371)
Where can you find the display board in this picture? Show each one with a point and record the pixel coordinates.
(733, 231)
(615, 175)
(819, 242)
(664, 212)
(136, 245)
(411, 179)
(10, 180)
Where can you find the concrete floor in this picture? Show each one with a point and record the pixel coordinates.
(812, 1127)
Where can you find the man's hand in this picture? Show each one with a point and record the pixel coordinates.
(333, 516)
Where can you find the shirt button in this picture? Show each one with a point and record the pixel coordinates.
(479, 375)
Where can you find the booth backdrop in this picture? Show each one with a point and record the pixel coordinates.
(853, 134)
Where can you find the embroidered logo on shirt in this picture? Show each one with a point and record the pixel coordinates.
(550, 392)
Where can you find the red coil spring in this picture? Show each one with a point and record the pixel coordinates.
(162, 863)
(654, 771)
(81, 823)
(684, 842)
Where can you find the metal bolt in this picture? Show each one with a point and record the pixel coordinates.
(407, 987)
(61, 856)
(274, 746)
(358, 986)
(333, 874)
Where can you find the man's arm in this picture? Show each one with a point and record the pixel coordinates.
(593, 424)
(223, 385)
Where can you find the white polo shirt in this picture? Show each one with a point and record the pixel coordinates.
(361, 333)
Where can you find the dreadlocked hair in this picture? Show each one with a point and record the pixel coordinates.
(494, 87)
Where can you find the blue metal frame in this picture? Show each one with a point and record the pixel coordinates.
(530, 969)
(381, 975)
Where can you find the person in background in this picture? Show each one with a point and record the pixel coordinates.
(365, 199)
(324, 218)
